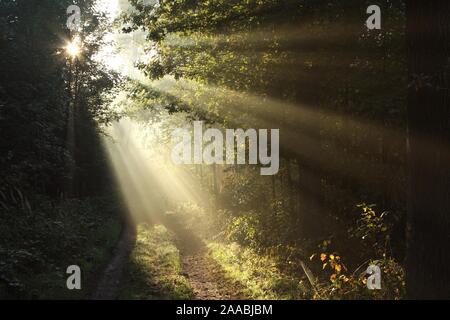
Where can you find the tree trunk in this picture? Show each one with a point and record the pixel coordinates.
(290, 185)
(428, 250)
(71, 144)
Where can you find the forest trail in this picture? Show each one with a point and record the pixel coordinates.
(206, 277)
(109, 284)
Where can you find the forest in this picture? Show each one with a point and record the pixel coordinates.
(224, 149)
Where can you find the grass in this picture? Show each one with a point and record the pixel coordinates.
(155, 269)
(37, 247)
(258, 274)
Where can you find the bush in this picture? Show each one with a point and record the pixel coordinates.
(244, 230)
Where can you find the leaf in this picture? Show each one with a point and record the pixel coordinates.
(324, 266)
(312, 257)
(323, 257)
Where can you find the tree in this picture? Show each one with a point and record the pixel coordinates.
(428, 252)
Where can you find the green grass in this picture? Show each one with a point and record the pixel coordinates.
(154, 269)
(37, 247)
(258, 274)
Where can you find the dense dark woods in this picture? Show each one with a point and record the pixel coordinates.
(29, 103)
(364, 161)
(428, 153)
(36, 76)
(50, 191)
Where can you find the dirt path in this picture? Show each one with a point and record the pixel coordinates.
(108, 286)
(206, 277)
(208, 280)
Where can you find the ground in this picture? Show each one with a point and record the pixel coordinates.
(159, 262)
(165, 260)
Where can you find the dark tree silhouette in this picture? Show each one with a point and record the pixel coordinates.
(428, 254)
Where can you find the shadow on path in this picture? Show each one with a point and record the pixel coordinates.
(206, 277)
(109, 285)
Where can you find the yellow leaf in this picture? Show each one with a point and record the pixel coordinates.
(331, 256)
(338, 268)
(324, 266)
(323, 257)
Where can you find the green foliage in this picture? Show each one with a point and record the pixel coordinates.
(264, 215)
(260, 275)
(337, 281)
(335, 90)
(373, 229)
(244, 230)
(344, 285)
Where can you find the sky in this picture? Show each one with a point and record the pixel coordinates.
(123, 50)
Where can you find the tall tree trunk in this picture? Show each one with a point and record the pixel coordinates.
(290, 185)
(428, 251)
(71, 143)
(310, 199)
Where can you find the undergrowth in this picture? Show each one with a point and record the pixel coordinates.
(259, 274)
(38, 244)
(154, 270)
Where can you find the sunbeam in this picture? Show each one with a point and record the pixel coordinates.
(150, 185)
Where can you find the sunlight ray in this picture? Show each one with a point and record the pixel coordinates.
(149, 184)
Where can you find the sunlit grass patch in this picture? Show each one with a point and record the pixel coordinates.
(258, 274)
(154, 269)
